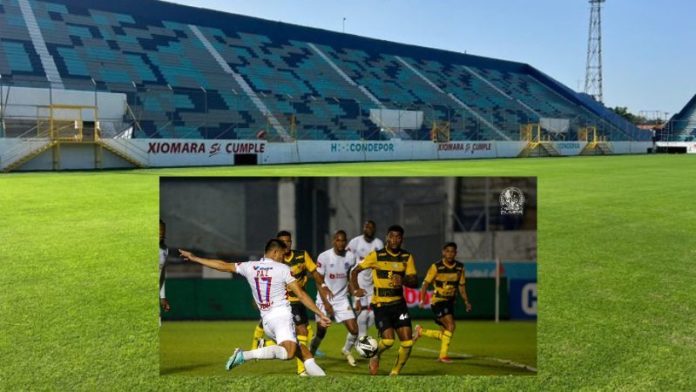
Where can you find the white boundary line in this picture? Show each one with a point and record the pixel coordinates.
(503, 361)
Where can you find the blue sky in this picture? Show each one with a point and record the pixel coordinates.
(649, 47)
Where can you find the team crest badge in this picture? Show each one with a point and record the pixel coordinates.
(511, 201)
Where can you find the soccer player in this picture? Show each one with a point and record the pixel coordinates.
(163, 253)
(392, 268)
(447, 275)
(361, 246)
(301, 266)
(334, 265)
(270, 281)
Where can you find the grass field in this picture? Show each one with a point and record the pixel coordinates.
(479, 348)
(78, 307)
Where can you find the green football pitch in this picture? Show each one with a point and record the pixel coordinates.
(78, 278)
(201, 348)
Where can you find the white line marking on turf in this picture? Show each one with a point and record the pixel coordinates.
(504, 361)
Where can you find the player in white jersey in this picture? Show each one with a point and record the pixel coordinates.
(361, 246)
(270, 280)
(334, 265)
(163, 253)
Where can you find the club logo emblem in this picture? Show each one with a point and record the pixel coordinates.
(511, 201)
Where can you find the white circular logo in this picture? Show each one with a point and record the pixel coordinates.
(511, 201)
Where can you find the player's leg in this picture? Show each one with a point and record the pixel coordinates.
(363, 317)
(385, 342)
(439, 310)
(351, 338)
(310, 332)
(258, 335)
(431, 333)
(279, 328)
(321, 332)
(305, 356)
(370, 318)
(383, 319)
(299, 314)
(343, 313)
(316, 340)
(447, 333)
(370, 313)
(301, 330)
(403, 329)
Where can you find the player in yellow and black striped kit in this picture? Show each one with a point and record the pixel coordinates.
(301, 267)
(392, 268)
(448, 277)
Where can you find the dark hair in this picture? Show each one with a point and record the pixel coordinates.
(337, 232)
(396, 228)
(283, 233)
(450, 245)
(273, 244)
(371, 221)
(162, 223)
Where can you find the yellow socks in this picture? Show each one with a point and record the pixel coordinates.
(444, 346)
(302, 339)
(258, 334)
(404, 353)
(310, 332)
(432, 333)
(383, 345)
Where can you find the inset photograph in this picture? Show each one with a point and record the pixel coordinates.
(316, 276)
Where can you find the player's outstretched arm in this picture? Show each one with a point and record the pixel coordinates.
(306, 301)
(219, 265)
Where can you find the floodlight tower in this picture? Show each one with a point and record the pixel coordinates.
(593, 71)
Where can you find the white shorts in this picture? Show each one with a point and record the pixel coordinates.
(280, 327)
(342, 309)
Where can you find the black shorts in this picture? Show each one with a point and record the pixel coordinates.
(299, 313)
(441, 309)
(392, 316)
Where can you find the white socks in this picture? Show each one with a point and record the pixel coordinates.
(312, 368)
(279, 352)
(350, 341)
(365, 320)
(271, 352)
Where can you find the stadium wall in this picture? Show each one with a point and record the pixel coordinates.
(688, 147)
(224, 299)
(190, 153)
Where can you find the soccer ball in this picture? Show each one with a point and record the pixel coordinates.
(366, 346)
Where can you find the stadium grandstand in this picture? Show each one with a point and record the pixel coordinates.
(682, 126)
(156, 70)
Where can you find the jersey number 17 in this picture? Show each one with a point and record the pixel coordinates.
(263, 302)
